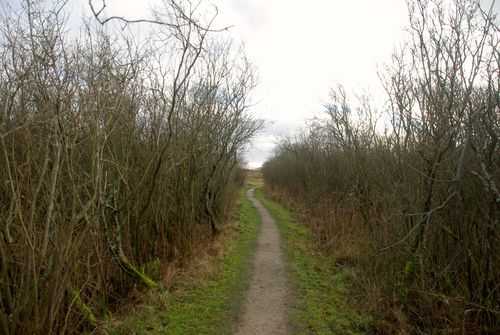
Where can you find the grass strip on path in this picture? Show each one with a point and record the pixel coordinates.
(205, 304)
(321, 303)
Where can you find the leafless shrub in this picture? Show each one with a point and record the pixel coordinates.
(117, 154)
(418, 204)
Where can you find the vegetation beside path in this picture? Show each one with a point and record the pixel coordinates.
(206, 298)
(322, 304)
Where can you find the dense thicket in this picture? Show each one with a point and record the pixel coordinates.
(412, 192)
(117, 153)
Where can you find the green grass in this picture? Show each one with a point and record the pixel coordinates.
(206, 305)
(321, 303)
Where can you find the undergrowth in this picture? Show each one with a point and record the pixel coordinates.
(206, 299)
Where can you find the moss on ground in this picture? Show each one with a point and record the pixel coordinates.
(322, 304)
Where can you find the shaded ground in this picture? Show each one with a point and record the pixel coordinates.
(267, 306)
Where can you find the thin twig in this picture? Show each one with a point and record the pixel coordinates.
(425, 217)
(103, 21)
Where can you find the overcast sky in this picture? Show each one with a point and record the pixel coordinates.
(301, 49)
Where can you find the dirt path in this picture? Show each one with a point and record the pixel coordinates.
(268, 300)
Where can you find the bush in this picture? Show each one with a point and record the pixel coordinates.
(115, 152)
(417, 205)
